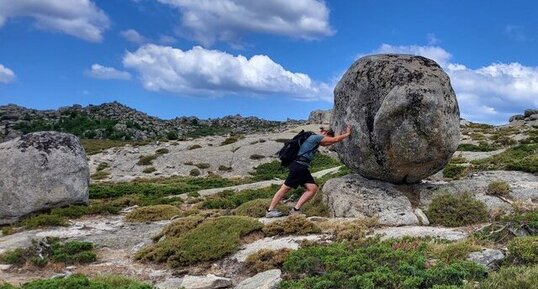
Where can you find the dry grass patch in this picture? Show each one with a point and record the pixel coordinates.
(153, 213)
(149, 170)
(265, 259)
(179, 227)
(456, 210)
(202, 165)
(451, 252)
(297, 224)
(100, 175)
(195, 146)
(352, 231)
(146, 160)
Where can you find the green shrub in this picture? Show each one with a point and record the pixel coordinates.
(230, 140)
(225, 168)
(149, 170)
(211, 240)
(202, 166)
(195, 172)
(43, 220)
(372, 265)
(179, 227)
(102, 166)
(481, 147)
(523, 250)
(15, 256)
(82, 282)
(265, 259)
(146, 160)
(452, 211)
(257, 208)
(99, 175)
(456, 251)
(510, 278)
(195, 146)
(256, 157)
(51, 250)
(519, 158)
(498, 188)
(296, 224)
(232, 200)
(153, 213)
(162, 151)
(455, 171)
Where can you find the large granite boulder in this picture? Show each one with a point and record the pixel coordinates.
(404, 114)
(319, 117)
(41, 171)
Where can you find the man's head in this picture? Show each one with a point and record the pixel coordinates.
(326, 132)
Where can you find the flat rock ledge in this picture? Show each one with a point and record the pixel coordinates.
(264, 280)
(209, 281)
(449, 234)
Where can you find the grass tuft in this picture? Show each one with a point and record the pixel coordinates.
(454, 211)
(153, 213)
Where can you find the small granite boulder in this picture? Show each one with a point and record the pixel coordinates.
(41, 171)
(404, 115)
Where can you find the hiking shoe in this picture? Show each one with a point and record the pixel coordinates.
(294, 212)
(273, 214)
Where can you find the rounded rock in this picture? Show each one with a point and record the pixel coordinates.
(404, 117)
(41, 171)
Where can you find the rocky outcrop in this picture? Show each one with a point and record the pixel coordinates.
(320, 117)
(41, 171)
(356, 196)
(394, 205)
(490, 258)
(529, 118)
(116, 121)
(264, 280)
(404, 114)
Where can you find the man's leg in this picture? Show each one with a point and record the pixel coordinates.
(311, 190)
(279, 195)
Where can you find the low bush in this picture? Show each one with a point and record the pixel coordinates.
(153, 213)
(202, 166)
(146, 160)
(455, 171)
(230, 140)
(162, 151)
(211, 240)
(498, 188)
(232, 200)
(102, 166)
(100, 175)
(82, 282)
(257, 208)
(523, 158)
(372, 265)
(194, 146)
(523, 250)
(195, 172)
(481, 147)
(265, 259)
(225, 168)
(296, 224)
(40, 253)
(94, 146)
(453, 211)
(256, 157)
(509, 278)
(352, 232)
(448, 253)
(179, 227)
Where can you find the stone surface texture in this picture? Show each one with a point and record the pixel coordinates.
(41, 171)
(264, 280)
(404, 114)
(490, 258)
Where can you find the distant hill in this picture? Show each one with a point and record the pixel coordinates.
(119, 122)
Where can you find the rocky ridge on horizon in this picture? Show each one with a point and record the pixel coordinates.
(114, 120)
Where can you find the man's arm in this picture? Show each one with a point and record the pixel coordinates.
(327, 141)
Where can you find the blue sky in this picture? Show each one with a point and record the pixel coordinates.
(273, 59)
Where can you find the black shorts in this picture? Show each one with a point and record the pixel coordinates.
(299, 175)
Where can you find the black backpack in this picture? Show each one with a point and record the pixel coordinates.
(288, 153)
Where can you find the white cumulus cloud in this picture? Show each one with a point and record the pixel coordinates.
(79, 18)
(210, 73)
(486, 94)
(6, 75)
(207, 21)
(103, 72)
